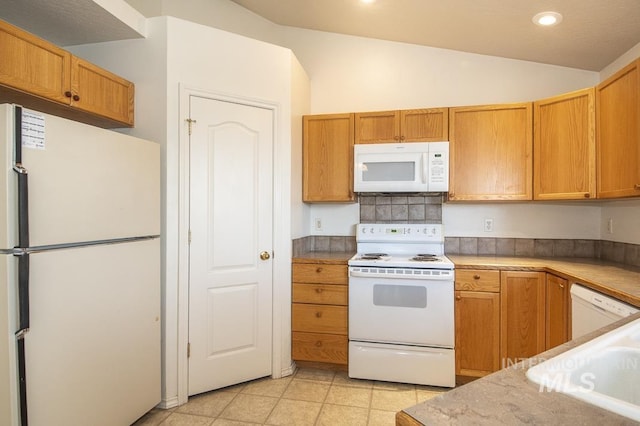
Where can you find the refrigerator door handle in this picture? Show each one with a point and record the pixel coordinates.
(23, 292)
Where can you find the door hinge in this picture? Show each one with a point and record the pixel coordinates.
(189, 350)
(190, 123)
(189, 237)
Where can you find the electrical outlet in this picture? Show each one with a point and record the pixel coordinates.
(610, 226)
(488, 225)
(317, 224)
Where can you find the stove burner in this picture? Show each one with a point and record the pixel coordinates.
(425, 258)
(373, 256)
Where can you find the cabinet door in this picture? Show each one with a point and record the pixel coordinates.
(557, 312)
(327, 149)
(565, 147)
(100, 92)
(491, 152)
(522, 307)
(377, 127)
(477, 316)
(424, 125)
(32, 65)
(618, 128)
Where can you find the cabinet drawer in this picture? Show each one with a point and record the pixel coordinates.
(320, 347)
(319, 318)
(477, 280)
(319, 273)
(321, 294)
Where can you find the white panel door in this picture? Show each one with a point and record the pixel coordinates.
(230, 291)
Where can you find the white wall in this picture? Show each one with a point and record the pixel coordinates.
(180, 54)
(625, 216)
(300, 105)
(356, 74)
(523, 220)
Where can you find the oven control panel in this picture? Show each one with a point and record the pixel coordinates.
(406, 232)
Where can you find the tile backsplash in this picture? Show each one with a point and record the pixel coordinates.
(401, 208)
(427, 208)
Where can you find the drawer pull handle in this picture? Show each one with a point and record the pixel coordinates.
(476, 277)
(318, 314)
(318, 290)
(318, 270)
(319, 344)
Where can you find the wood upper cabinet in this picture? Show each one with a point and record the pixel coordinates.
(522, 319)
(101, 92)
(327, 150)
(557, 311)
(40, 75)
(413, 125)
(33, 65)
(564, 147)
(491, 152)
(477, 322)
(618, 133)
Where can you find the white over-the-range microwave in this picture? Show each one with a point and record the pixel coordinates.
(401, 167)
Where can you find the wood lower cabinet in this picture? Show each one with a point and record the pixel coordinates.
(491, 152)
(412, 125)
(618, 133)
(558, 324)
(522, 315)
(40, 75)
(564, 147)
(320, 313)
(327, 165)
(477, 319)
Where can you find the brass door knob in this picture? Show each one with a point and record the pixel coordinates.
(265, 255)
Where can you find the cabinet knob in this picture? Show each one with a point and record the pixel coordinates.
(318, 344)
(402, 137)
(476, 277)
(636, 186)
(458, 297)
(67, 94)
(587, 195)
(76, 98)
(395, 138)
(561, 285)
(318, 290)
(318, 270)
(318, 314)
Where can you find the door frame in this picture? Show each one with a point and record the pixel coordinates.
(281, 363)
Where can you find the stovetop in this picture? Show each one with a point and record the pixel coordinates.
(401, 246)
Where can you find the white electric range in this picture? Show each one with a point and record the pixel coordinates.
(401, 305)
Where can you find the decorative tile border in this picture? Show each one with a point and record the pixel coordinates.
(628, 254)
(625, 253)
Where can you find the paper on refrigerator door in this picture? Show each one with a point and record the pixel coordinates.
(33, 130)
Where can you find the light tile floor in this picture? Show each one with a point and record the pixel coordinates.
(310, 397)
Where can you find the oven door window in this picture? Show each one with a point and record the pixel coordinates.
(389, 171)
(401, 296)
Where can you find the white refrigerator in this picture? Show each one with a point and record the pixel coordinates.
(79, 273)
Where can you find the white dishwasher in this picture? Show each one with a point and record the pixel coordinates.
(592, 310)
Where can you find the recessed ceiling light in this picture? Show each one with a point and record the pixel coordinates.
(367, 1)
(547, 19)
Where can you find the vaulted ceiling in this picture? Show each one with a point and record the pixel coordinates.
(592, 34)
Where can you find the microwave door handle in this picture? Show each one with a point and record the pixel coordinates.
(424, 167)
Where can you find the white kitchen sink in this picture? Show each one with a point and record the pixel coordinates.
(604, 371)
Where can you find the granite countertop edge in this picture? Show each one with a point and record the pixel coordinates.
(507, 397)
